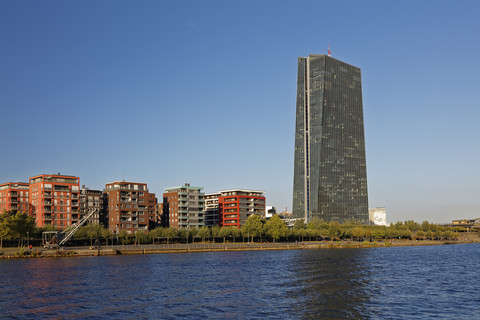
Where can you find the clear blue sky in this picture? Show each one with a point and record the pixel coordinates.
(167, 92)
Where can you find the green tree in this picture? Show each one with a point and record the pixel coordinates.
(358, 232)
(253, 227)
(429, 235)
(155, 234)
(16, 226)
(368, 233)
(123, 235)
(234, 232)
(5, 227)
(334, 231)
(193, 231)
(449, 235)
(298, 228)
(315, 223)
(204, 232)
(420, 235)
(183, 233)
(21, 224)
(140, 236)
(107, 235)
(275, 228)
(349, 233)
(169, 233)
(93, 231)
(215, 232)
(224, 232)
(299, 224)
(412, 226)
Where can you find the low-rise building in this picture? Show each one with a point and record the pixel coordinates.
(378, 216)
(14, 197)
(183, 207)
(130, 207)
(270, 211)
(465, 222)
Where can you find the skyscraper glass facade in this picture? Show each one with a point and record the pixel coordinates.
(330, 176)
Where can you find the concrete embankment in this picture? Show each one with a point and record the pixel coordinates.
(9, 253)
(144, 249)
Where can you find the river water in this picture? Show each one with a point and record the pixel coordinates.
(436, 282)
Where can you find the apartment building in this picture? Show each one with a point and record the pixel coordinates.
(130, 207)
(14, 197)
(54, 199)
(183, 207)
(92, 200)
(211, 209)
(235, 206)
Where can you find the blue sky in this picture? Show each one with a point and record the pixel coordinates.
(168, 92)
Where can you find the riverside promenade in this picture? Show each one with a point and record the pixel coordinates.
(38, 252)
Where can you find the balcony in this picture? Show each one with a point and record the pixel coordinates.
(13, 200)
(62, 188)
(47, 195)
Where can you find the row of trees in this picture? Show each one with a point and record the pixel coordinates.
(274, 229)
(354, 231)
(20, 226)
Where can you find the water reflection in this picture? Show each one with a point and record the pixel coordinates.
(305, 284)
(331, 284)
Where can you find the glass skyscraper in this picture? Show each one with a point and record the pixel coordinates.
(330, 175)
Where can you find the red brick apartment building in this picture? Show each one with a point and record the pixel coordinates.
(54, 199)
(235, 206)
(14, 197)
(130, 207)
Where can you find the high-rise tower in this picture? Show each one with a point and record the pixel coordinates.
(330, 176)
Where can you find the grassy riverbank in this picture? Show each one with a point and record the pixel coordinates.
(11, 253)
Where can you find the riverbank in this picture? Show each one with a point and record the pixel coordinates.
(11, 253)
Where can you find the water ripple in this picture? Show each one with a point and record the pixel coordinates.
(377, 283)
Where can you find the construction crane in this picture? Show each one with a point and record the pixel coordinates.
(55, 239)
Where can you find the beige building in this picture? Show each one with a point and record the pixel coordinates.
(378, 216)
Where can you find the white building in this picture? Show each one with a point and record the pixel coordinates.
(378, 216)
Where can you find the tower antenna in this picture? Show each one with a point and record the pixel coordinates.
(329, 53)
